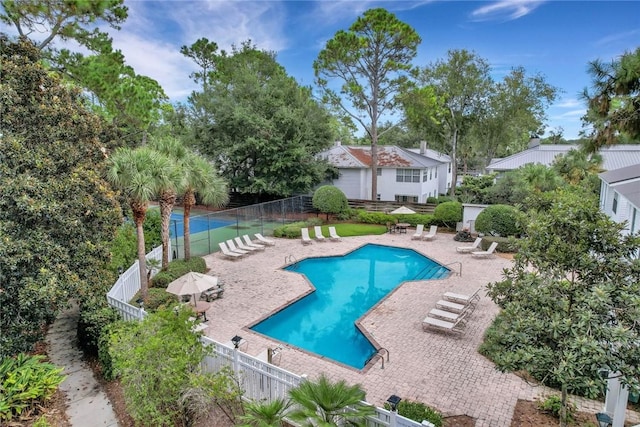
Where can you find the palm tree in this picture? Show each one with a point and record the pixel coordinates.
(138, 173)
(168, 192)
(200, 178)
(329, 404)
(264, 414)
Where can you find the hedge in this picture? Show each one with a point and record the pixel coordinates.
(498, 220)
(178, 268)
(505, 244)
(292, 231)
(448, 214)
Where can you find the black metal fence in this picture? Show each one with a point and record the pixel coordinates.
(207, 230)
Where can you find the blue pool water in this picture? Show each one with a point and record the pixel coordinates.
(197, 224)
(323, 322)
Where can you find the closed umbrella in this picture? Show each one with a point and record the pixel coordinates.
(192, 283)
(402, 210)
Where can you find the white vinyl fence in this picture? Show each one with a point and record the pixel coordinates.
(259, 380)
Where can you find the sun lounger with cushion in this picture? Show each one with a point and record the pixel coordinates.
(226, 252)
(431, 234)
(333, 235)
(418, 233)
(470, 248)
(444, 314)
(444, 325)
(450, 306)
(318, 232)
(241, 245)
(248, 242)
(232, 248)
(462, 298)
(264, 240)
(306, 240)
(488, 252)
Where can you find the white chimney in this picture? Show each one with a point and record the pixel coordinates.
(338, 143)
(423, 147)
(534, 141)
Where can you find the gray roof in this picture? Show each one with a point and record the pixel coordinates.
(389, 156)
(614, 157)
(621, 174)
(631, 191)
(432, 154)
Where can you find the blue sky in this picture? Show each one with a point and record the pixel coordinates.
(555, 38)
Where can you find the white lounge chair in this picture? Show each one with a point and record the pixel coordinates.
(264, 240)
(226, 252)
(450, 306)
(431, 234)
(471, 248)
(462, 298)
(333, 235)
(318, 232)
(449, 316)
(444, 325)
(487, 253)
(232, 248)
(248, 242)
(241, 245)
(306, 240)
(419, 231)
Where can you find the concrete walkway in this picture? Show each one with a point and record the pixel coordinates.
(88, 405)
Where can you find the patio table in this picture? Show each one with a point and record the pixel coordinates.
(201, 308)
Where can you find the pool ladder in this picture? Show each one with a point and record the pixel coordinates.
(380, 354)
(290, 259)
(456, 262)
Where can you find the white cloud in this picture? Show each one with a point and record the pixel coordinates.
(612, 38)
(573, 114)
(569, 103)
(505, 10)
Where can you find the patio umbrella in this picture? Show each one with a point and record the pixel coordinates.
(192, 283)
(402, 210)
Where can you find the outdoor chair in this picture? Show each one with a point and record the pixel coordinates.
(248, 242)
(487, 253)
(226, 252)
(418, 233)
(462, 298)
(451, 306)
(306, 240)
(333, 235)
(241, 245)
(264, 240)
(391, 228)
(431, 234)
(444, 325)
(232, 248)
(470, 248)
(318, 232)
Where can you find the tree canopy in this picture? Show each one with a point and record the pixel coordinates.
(571, 302)
(57, 214)
(371, 59)
(614, 102)
(260, 127)
(130, 100)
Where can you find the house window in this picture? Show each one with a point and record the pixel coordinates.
(436, 173)
(633, 220)
(378, 197)
(449, 167)
(430, 173)
(379, 172)
(614, 208)
(407, 175)
(424, 175)
(402, 199)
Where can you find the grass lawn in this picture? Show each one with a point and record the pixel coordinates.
(348, 229)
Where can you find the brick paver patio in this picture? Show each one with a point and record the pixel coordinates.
(442, 370)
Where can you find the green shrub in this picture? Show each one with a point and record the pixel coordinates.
(448, 214)
(26, 382)
(178, 268)
(374, 217)
(418, 411)
(292, 231)
(553, 405)
(432, 200)
(95, 315)
(157, 299)
(498, 220)
(347, 215)
(154, 360)
(330, 200)
(505, 244)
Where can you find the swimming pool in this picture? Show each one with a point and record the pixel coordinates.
(346, 287)
(197, 224)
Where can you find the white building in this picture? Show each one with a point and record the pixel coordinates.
(613, 157)
(403, 175)
(620, 196)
